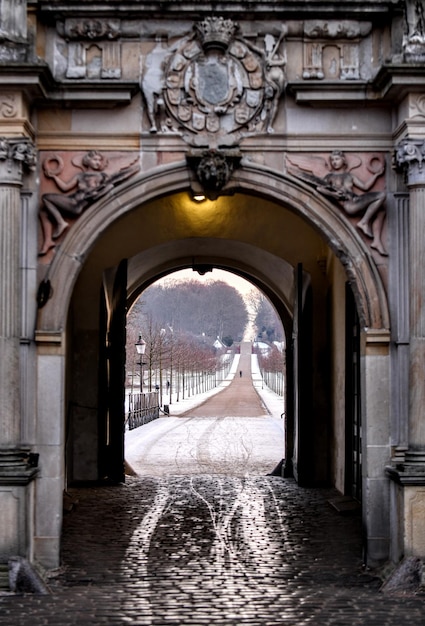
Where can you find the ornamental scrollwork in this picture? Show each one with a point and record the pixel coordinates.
(417, 106)
(409, 158)
(15, 155)
(8, 105)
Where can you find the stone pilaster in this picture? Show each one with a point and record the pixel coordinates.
(15, 155)
(410, 156)
(18, 465)
(408, 469)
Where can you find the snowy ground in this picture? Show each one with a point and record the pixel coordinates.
(230, 445)
(273, 402)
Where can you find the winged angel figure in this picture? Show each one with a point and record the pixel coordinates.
(334, 178)
(89, 184)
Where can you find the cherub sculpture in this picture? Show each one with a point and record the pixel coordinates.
(88, 185)
(339, 183)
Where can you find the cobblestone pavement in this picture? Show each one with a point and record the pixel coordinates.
(211, 550)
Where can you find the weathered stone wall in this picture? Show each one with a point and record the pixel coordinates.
(286, 116)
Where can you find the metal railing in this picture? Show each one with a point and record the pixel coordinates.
(142, 408)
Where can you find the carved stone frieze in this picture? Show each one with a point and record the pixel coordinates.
(351, 181)
(345, 29)
(15, 155)
(214, 86)
(89, 29)
(331, 49)
(410, 158)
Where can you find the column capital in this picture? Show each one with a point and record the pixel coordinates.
(15, 154)
(410, 158)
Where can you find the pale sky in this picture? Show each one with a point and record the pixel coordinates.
(242, 285)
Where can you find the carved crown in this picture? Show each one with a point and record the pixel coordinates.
(216, 32)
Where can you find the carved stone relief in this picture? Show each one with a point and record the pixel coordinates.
(92, 50)
(409, 158)
(13, 31)
(345, 29)
(87, 176)
(89, 29)
(414, 39)
(332, 62)
(13, 20)
(326, 58)
(213, 168)
(417, 106)
(8, 105)
(16, 154)
(352, 182)
(102, 60)
(214, 86)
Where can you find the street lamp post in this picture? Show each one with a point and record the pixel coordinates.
(141, 348)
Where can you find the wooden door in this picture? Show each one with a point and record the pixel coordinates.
(302, 379)
(111, 403)
(353, 422)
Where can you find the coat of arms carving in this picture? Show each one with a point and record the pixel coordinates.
(214, 86)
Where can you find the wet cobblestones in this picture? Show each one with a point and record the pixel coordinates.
(211, 550)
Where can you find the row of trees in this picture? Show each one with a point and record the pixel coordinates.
(209, 310)
(179, 323)
(265, 319)
(272, 367)
(176, 364)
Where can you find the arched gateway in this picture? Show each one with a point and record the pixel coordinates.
(287, 123)
(264, 226)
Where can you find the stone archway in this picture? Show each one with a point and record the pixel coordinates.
(154, 222)
(255, 179)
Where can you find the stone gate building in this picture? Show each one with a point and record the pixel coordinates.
(283, 141)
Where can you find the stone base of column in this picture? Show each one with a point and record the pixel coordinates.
(18, 468)
(408, 503)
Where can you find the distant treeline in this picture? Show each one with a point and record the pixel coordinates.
(211, 310)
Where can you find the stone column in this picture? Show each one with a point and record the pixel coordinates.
(410, 156)
(17, 464)
(14, 155)
(408, 474)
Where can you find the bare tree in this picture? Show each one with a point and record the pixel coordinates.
(212, 310)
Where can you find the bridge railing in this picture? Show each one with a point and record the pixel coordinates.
(142, 408)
